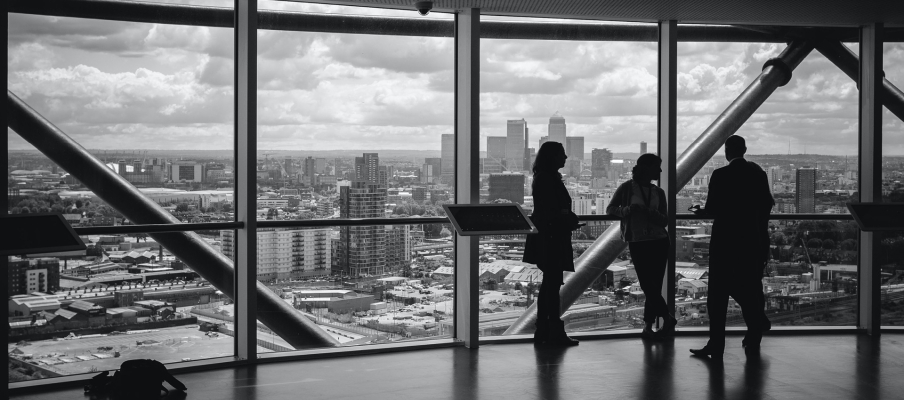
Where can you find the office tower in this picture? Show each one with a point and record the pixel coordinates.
(805, 193)
(543, 139)
(773, 174)
(24, 276)
(426, 173)
(436, 165)
(287, 164)
(367, 168)
(574, 148)
(600, 158)
(582, 205)
(507, 186)
(643, 147)
(516, 132)
(285, 253)
(310, 171)
(495, 154)
(320, 165)
(557, 128)
(362, 249)
(448, 158)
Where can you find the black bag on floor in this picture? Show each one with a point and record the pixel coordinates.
(135, 379)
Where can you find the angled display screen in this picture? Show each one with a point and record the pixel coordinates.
(878, 216)
(489, 219)
(38, 233)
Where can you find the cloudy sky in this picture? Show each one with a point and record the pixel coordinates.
(118, 85)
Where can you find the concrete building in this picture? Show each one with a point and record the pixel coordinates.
(25, 276)
(362, 249)
(507, 186)
(600, 158)
(515, 145)
(187, 172)
(574, 148)
(805, 193)
(582, 205)
(284, 253)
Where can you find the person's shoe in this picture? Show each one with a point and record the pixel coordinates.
(668, 328)
(557, 336)
(648, 333)
(752, 339)
(541, 335)
(708, 351)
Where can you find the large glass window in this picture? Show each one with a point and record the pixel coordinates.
(804, 136)
(356, 126)
(153, 103)
(596, 98)
(891, 244)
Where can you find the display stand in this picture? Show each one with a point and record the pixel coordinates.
(37, 234)
(873, 217)
(489, 219)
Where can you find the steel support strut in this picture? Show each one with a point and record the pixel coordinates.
(212, 265)
(596, 259)
(840, 55)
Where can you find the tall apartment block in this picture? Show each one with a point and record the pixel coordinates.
(362, 249)
(25, 276)
(805, 193)
(284, 253)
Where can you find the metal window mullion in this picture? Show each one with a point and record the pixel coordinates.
(667, 110)
(870, 183)
(467, 182)
(246, 178)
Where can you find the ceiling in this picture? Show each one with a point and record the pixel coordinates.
(753, 12)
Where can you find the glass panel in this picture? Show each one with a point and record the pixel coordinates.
(810, 280)
(353, 126)
(151, 101)
(126, 297)
(804, 136)
(891, 244)
(410, 297)
(598, 99)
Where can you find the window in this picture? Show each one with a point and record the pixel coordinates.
(891, 244)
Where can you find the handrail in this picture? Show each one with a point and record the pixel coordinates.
(156, 228)
(222, 17)
(350, 222)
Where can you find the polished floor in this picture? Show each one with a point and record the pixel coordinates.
(788, 367)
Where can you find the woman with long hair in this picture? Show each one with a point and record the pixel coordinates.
(642, 209)
(550, 248)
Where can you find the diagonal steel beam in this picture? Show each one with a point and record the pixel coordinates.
(590, 265)
(212, 265)
(845, 59)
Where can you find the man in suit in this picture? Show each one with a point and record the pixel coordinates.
(740, 202)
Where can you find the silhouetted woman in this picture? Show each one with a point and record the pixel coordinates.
(642, 209)
(551, 249)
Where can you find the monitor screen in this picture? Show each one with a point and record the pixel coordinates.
(878, 216)
(37, 233)
(489, 218)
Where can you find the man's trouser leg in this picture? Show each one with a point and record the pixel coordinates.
(717, 307)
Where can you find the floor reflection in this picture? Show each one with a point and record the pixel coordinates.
(549, 362)
(658, 370)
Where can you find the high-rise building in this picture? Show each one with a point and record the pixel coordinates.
(643, 147)
(320, 165)
(383, 176)
(602, 201)
(24, 276)
(284, 253)
(515, 143)
(507, 186)
(367, 168)
(448, 158)
(427, 173)
(582, 205)
(310, 171)
(805, 193)
(398, 247)
(600, 158)
(543, 139)
(495, 153)
(557, 128)
(287, 164)
(574, 148)
(773, 174)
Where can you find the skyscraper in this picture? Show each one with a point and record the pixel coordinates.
(362, 249)
(436, 165)
(557, 128)
(515, 143)
(495, 153)
(448, 156)
(287, 164)
(507, 186)
(574, 148)
(310, 171)
(643, 147)
(805, 193)
(601, 158)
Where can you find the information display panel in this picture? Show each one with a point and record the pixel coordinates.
(37, 233)
(489, 219)
(878, 216)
